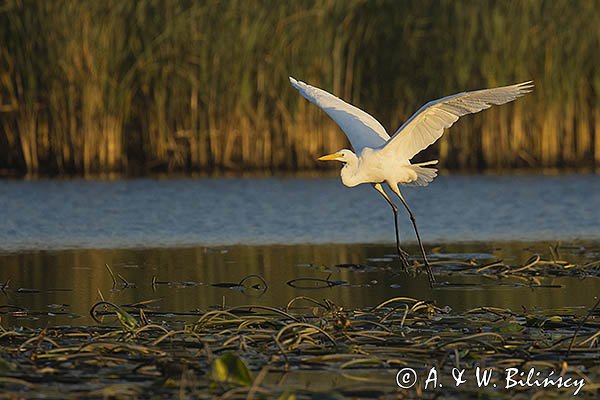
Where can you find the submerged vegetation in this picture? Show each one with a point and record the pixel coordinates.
(310, 347)
(261, 352)
(149, 85)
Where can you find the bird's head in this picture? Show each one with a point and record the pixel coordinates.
(345, 156)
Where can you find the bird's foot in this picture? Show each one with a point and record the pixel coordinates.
(403, 259)
(430, 274)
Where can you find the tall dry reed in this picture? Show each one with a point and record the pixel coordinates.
(92, 86)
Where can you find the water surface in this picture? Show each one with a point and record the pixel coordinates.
(196, 236)
(59, 287)
(146, 213)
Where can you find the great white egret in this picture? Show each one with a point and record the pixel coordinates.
(379, 158)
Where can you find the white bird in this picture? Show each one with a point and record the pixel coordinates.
(379, 158)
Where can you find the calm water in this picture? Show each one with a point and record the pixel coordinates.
(194, 235)
(61, 286)
(187, 212)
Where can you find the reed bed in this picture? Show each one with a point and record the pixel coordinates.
(159, 85)
(255, 351)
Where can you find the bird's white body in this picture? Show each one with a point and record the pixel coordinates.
(379, 158)
(372, 166)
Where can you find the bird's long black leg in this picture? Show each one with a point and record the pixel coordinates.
(401, 253)
(414, 222)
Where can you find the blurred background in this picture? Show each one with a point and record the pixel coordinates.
(136, 87)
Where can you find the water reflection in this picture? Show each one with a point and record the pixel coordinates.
(69, 281)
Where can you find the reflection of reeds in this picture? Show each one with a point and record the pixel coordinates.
(104, 86)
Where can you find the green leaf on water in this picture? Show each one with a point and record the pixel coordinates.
(126, 319)
(540, 321)
(552, 319)
(230, 368)
(509, 327)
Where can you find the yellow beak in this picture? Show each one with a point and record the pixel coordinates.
(329, 157)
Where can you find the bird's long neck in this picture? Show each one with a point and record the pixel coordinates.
(350, 173)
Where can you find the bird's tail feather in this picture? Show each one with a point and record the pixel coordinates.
(432, 162)
(424, 175)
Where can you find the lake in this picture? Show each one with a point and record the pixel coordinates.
(147, 213)
(186, 243)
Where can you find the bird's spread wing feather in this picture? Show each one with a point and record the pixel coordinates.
(361, 129)
(427, 125)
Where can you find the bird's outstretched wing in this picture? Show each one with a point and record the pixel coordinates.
(427, 125)
(361, 129)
